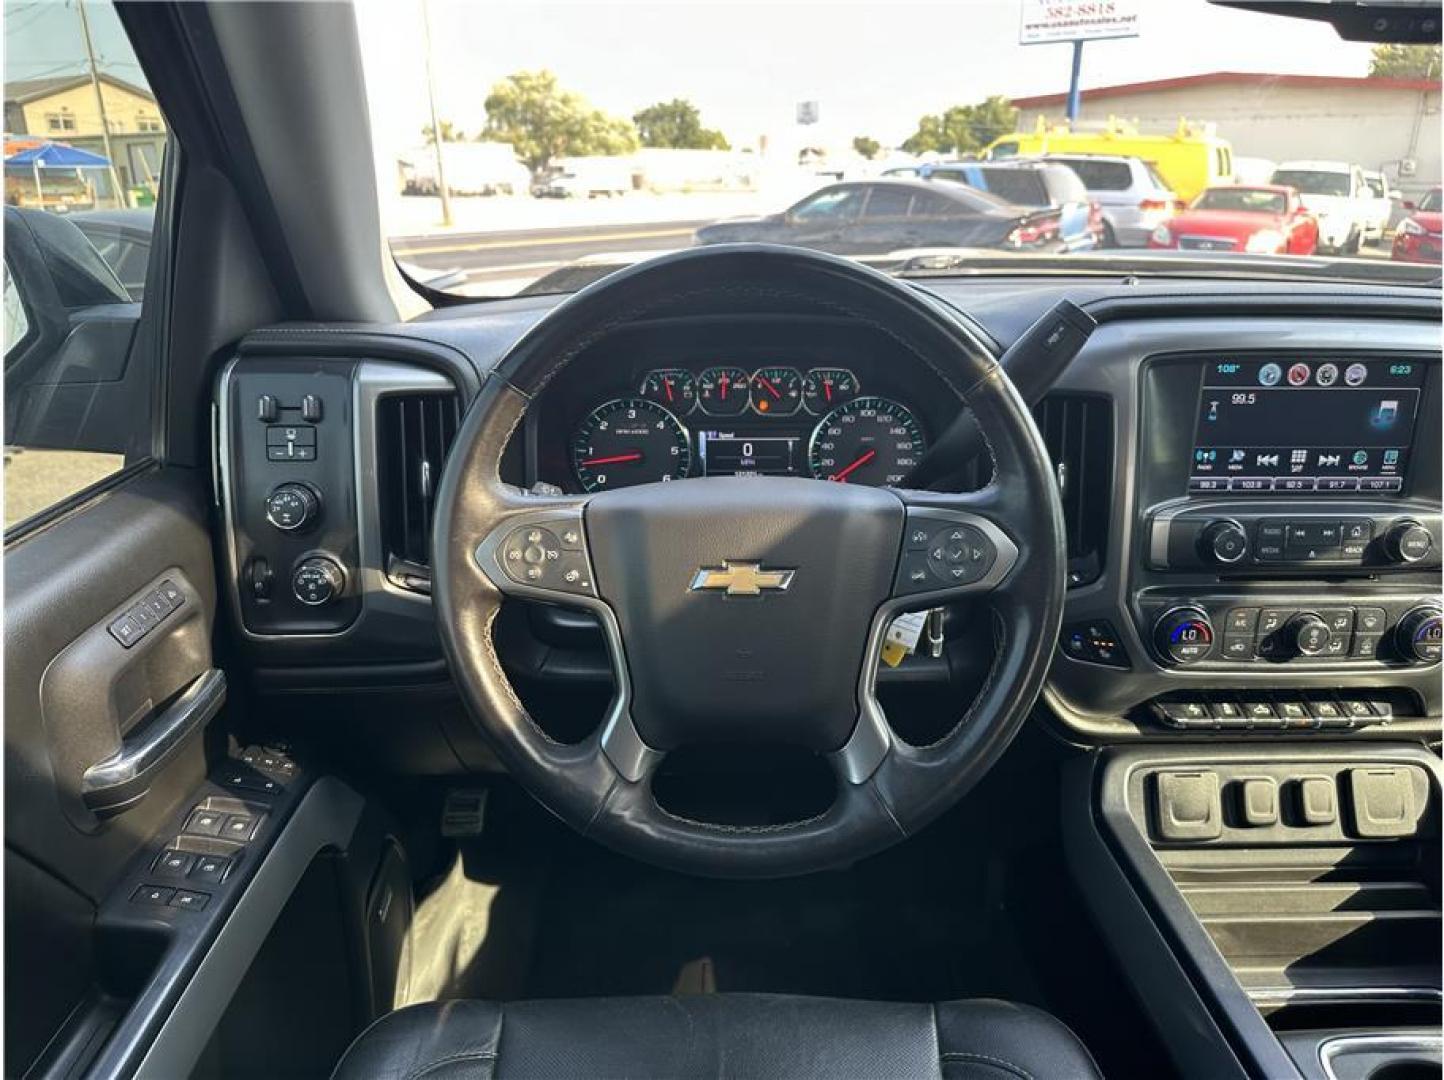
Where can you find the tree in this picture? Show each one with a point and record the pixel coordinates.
(963, 129)
(677, 124)
(542, 121)
(867, 147)
(448, 133)
(1405, 62)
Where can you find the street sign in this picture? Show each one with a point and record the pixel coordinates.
(1047, 22)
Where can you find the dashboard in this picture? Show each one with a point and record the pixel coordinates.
(811, 397)
(1251, 486)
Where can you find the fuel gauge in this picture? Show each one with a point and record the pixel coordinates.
(672, 388)
(826, 388)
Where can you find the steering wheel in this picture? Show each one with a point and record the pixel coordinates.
(745, 610)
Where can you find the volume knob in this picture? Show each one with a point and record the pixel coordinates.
(1223, 542)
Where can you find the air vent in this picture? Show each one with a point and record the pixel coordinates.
(1078, 430)
(414, 432)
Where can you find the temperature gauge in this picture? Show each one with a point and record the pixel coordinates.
(776, 391)
(825, 388)
(672, 388)
(723, 391)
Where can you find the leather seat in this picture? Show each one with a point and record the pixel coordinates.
(747, 1036)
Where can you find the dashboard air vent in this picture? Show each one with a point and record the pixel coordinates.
(414, 432)
(1078, 429)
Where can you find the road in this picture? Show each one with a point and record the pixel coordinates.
(492, 258)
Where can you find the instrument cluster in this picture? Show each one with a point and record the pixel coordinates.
(729, 420)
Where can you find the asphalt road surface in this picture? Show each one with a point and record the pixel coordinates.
(503, 256)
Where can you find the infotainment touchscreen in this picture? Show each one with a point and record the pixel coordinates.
(1305, 425)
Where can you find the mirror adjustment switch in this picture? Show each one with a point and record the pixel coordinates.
(1383, 800)
(1318, 800)
(1188, 806)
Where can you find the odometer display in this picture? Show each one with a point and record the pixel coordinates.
(869, 440)
(629, 441)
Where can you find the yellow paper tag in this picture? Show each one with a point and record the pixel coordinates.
(893, 653)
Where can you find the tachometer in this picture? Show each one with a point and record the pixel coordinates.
(869, 440)
(827, 387)
(672, 388)
(629, 441)
(723, 391)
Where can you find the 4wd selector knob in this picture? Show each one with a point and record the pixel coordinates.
(1223, 542)
(1308, 634)
(1420, 635)
(318, 580)
(1184, 635)
(292, 506)
(1408, 542)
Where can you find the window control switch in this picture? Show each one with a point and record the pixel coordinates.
(209, 869)
(205, 823)
(173, 863)
(152, 895)
(239, 827)
(190, 900)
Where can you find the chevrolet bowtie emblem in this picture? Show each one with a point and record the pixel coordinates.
(741, 578)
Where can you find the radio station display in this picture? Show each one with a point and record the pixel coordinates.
(1305, 426)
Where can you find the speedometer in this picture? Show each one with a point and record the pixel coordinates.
(869, 440)
(629, 441)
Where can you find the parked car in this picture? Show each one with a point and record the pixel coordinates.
(1132, 195)
(1381, 206)
(1261, 220)
(1336, 194)
(123, 239)
(1418, 237)
(873, 217)
(1190, 158)
(1040, 184)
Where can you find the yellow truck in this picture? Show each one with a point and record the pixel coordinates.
(1192, 158)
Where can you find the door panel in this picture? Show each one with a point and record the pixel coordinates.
(76, 697)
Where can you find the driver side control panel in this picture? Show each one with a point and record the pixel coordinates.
(292, 499)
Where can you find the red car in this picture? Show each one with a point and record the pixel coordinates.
(1263, 219)
(1417, 239)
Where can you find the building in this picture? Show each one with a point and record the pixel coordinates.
(1386, 124)
(63, 109)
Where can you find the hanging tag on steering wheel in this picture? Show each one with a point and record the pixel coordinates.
(902, 637)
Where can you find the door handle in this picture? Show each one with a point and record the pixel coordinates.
(115, 784)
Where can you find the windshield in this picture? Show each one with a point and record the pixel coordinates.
(530, 146)
(1248, 200)
(1313, 181)
(1433, 201)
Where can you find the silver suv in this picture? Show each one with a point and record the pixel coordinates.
(1134, 198)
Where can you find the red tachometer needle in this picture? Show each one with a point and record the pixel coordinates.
(615, 459)
(842, 476)
(767, 383)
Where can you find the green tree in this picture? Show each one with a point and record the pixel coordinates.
(677, 124)
(448, 133)
(866, 146)
(1405, 62)
(543, 122)
(963, 129)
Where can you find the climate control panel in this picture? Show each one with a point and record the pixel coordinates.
(1255, 630)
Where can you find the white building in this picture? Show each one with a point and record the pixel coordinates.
(1387, 124)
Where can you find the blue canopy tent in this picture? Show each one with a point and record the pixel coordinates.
(53, 155)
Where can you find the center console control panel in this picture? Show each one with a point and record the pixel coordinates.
(1235, 540)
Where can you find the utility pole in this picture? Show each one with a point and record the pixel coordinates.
(100, 105)
(435, 123)
(1073, 91)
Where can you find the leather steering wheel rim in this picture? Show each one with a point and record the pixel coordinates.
(887, 789)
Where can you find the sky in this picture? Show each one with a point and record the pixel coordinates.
(874, 68)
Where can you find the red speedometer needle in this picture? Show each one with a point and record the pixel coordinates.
(827, 388)
(767, 383)
(842, 476)
(615, 459)
(668, 384)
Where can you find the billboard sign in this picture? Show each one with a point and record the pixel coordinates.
(1046, 22)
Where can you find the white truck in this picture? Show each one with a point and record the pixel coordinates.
(588, 177)
(472, 168)
(1336, 193)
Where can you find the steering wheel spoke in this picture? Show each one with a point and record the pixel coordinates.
(953, 545)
